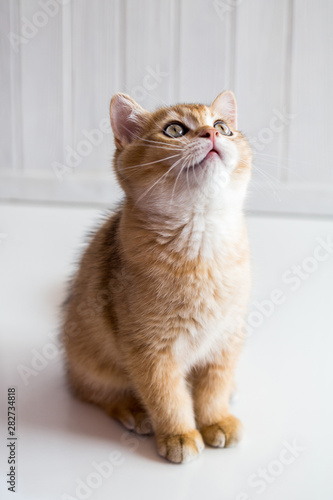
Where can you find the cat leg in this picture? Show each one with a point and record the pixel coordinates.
(169, 403)
(111, 390)
(212, 386)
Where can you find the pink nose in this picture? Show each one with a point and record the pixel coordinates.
(209, 132)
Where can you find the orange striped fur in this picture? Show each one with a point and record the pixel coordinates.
(154, 321)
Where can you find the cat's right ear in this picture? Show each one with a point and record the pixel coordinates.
(127, 119)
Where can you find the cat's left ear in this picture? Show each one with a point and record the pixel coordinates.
(127, 119)
(225, 105)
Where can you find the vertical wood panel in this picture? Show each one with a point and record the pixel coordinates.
(67, 78)
(261, 83)
(6, 52)
(97, 59)
(41, 66)
(205, 45)
(311, 149)
(150, 39)
(10, 89)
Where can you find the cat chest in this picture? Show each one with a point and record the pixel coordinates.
(196, 311)
(201, 343)
(204, 329)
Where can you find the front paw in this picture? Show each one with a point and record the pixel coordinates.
(180, 448)
(227, 432)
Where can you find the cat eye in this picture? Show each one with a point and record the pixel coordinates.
(175, 130)
(222, 127)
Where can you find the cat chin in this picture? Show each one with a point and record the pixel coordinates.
(213, 156)
(212, 170)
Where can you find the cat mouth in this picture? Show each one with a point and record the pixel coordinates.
(212, 154)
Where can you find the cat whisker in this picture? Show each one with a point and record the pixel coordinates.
(176, 148)
(269, 180)
(195, 175)
(161, 144)
(271, 162)
(151, 162)
(159, 179)
(188, 184)
(193, 166)
(265, 163)
(186, 161)
(265, 174)
(283, 158)
(166, 145)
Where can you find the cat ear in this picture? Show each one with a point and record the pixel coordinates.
(127, 119)
(225, 105)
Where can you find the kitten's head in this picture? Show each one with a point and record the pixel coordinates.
(183, 156)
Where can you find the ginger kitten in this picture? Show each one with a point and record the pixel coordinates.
(154, 321)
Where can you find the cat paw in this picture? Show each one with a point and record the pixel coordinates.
(129, 411)
(227, 432)
(180, 448)
(138, 422)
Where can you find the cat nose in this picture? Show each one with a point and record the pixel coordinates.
(209, 132)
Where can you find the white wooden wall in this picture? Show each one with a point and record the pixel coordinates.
(61, 61)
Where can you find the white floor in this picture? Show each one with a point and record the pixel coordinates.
(284, 377)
